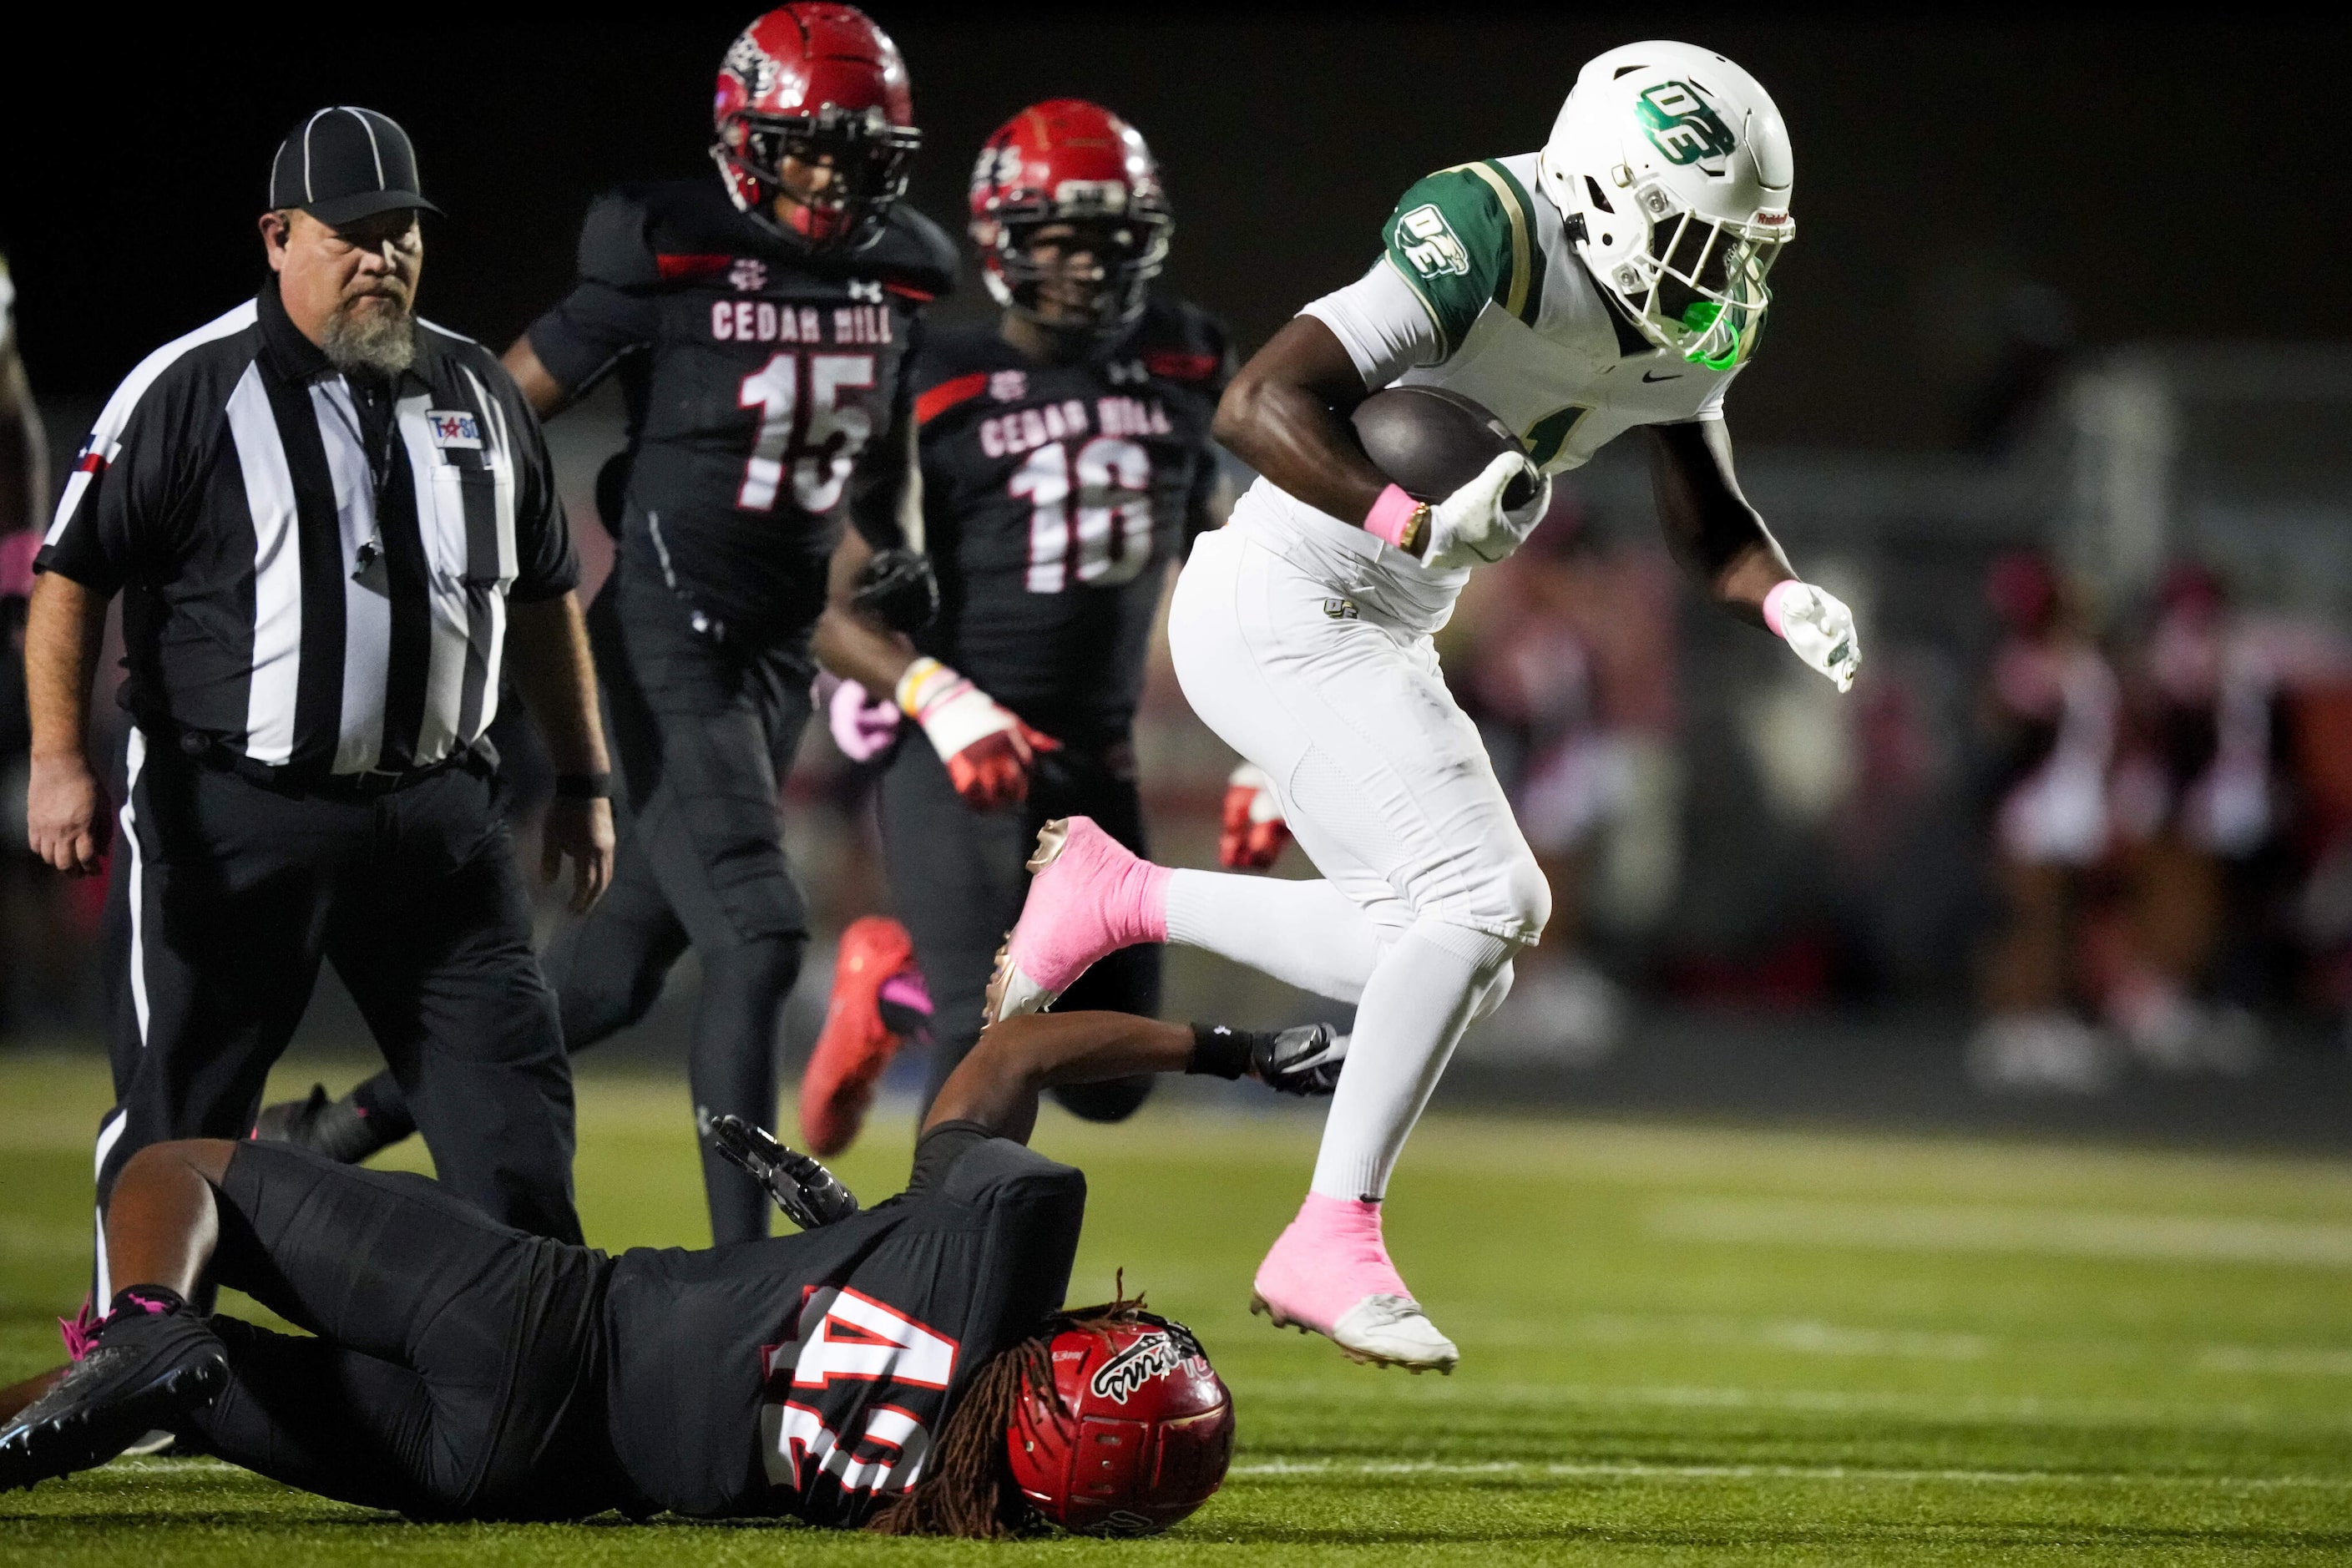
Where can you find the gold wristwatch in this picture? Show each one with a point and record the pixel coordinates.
(1415, 527)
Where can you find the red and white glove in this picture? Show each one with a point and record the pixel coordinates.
(1253, 832)
(988, 750)
(862, 724)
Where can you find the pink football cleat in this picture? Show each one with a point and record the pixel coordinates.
(1088, 897)
(1329, 1272)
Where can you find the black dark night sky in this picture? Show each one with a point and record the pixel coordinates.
(2170, 183)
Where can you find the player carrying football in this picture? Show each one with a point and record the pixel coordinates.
(760, 321)
(1613, 279)
(1066, 463)
(907, 1367)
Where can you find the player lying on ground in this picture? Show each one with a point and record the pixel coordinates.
(1613, 279)
(908, 1367)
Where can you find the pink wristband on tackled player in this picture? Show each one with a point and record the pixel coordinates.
(1774, 600)
(1391, 516)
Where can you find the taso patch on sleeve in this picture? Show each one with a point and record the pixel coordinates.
(453, 428)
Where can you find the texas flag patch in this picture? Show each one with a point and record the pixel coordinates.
(456, 428)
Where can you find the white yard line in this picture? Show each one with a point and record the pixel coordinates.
(1839, 1473)
(1970, 1227)
(1572, 1470)
(2020, 1409)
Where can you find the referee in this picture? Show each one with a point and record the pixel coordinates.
(331, 522)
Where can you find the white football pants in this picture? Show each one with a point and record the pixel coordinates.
(1333, 689)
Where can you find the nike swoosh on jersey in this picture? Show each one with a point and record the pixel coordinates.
(1654, 375)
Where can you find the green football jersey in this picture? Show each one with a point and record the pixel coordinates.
(1524, 328)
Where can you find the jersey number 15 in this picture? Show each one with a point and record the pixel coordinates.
(829, 434)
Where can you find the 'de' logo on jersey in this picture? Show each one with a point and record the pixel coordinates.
(1155, 1355)
(1682, 124)
(454, 428)
(1427, 240)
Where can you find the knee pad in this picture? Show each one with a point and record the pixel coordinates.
(1525, 896)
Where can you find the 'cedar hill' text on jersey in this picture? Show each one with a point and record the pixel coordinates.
(1054, 497)
(810, 1374)
(764, 383)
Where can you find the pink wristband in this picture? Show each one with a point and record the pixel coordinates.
(1773, 600)
(1391, 516)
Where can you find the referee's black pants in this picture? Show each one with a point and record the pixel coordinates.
(705, 732)
(225, 896)
(454, 1367)
(957, 878)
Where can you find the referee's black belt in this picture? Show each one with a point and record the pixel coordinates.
(210, 750)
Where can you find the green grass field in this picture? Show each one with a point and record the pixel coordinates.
(1680, 1344)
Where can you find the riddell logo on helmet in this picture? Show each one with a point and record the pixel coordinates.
(1682, 124)
(1155, 1355)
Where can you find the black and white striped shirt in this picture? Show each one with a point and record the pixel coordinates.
(315, 572)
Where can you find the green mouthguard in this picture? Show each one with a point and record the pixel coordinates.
(1699, 316)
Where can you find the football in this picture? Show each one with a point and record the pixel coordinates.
(1431, 442)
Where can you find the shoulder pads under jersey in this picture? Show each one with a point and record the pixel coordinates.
(1463, 236)
(913, 254)
(615, 244)
(1180, 342)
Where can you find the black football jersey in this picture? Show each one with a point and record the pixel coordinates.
(1054, 497)
(810, 1374)
(764, 386)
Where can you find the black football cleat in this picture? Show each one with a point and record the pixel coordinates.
(337, 1129)
(144, 1375)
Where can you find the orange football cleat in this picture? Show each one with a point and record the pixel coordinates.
(876, 954)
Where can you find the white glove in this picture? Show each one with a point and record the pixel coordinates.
(1812, 622)
(1471, 527)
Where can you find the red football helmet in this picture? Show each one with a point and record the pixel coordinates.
(816, 83)
(1070, 161)
(1135, 1433)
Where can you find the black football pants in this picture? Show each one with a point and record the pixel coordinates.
(224, 897)
(706, 733)
(457, 1365)
(957, 878)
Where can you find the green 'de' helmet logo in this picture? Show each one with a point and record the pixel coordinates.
(1682, 124)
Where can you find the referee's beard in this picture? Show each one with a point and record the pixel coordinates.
(372, 332)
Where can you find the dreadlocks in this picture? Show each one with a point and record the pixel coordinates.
(965, 1489)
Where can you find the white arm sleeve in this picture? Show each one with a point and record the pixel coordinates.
(1382, 324)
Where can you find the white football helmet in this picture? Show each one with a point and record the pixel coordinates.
(1673, 170)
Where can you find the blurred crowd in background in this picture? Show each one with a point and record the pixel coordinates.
(2094, 790)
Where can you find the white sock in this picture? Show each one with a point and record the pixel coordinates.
(1308, 934)
(1420, 998)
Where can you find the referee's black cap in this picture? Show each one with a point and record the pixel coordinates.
(341, 164)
